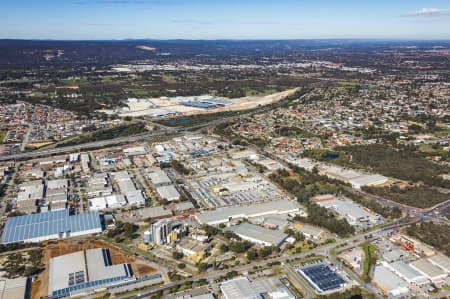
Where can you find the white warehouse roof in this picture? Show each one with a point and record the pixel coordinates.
(223, 215)
(258, 234)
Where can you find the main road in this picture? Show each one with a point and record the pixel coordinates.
(341, 244)
(163, 131)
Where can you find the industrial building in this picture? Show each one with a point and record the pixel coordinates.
(408, 273)
(159, 178)
(322, 277)
(227, 214)
(310, 232)
(14, 288)
(135, 151)
(243, 288)
(50, 225)
(429, 270)
(115, 201)
(135, 198)
(192, 249)
(259, 235)
(82, 272)
(354, 213)
(389, 283)
(441, 261)
(169, 193)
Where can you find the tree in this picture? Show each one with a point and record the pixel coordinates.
(252, 254)
(178, 255)
(202, 267)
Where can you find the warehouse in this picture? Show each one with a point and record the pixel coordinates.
(441, 261)
(14, 288)
(168, 193)
(310, 232)
(389, 283)
(159, 178)
(259, 235)
(108, 202)
(82, 272)
(431, 271)
(355, 214)
(368, 180)
(243, 288)
(409, 274)
(50, 225)
(135, 197)
(134, 151)
(227, 214)
(322, 277)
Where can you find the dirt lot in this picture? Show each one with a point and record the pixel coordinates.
(61, 247)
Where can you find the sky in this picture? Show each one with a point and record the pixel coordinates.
(224, 19)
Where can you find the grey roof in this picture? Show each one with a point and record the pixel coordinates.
(100, 267)
(42, 225)
(441, 261)
(261, 234)
(155, 212)
(406, 270)
(310, 230)
(368, 179)
(387, 280)
(276, 220)
(168, 192)
(393, 255)
(427, 268)
(253, 210)
(240, 288)
(186, 205)
(13, 288)
(159, 177)
(204, 296)
(61, 266)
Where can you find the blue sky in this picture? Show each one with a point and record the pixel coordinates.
(224, 19)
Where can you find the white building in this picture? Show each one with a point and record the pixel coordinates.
(169, 193)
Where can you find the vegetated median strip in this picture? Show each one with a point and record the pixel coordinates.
(369, 260)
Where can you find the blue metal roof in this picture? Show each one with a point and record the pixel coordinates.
(199, 104)
(323, 277)
(28, 227)
(217, 101)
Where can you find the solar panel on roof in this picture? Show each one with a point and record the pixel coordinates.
(322, 277)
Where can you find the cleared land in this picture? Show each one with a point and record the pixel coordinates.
(169, 105)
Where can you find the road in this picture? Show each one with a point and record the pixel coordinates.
(342, 245)
(298, 282)
(164, 131)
